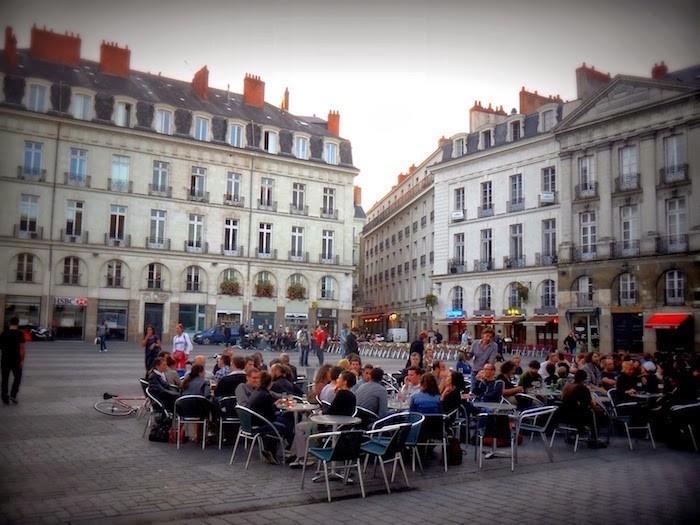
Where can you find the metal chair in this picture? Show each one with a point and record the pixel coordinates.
(345, 446)
(433, 432)
(156, 408)
(687, 416)
(253, 433)
(535, 420)
(143, 409)
(367, 416)
(193, 410)
(627, 419)
(228, 415)
(569, 425)
(416, 421)
(388, 450)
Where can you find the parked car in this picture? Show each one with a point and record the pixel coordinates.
(215, 336)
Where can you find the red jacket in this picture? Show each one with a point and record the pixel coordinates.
(320, 336)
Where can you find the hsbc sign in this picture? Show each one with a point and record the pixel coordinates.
(71, 301)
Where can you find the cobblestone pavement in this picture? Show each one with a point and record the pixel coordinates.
(61, 461)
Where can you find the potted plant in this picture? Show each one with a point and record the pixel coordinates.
(264, 289)
(431, 300)
(523, 292)
(296, 292)
(230, 287)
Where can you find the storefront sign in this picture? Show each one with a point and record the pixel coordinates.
(71, 301)
(327, 313)
(450, 314)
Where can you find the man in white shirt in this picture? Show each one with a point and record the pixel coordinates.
(411, 383)
(328, 392)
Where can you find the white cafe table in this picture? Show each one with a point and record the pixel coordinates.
(335, 422)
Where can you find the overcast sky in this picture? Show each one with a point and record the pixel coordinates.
(401, 73)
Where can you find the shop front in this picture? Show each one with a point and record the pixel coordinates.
(512, 330)
(585, 323)
(69, 317)
(26, 308)
(328, 318)
(455, 320)
(479, 324)
(193, 317)
(546, 330)
(628, 331)
(296, 315)
(262, 321)
(674, 331)
(372, 324)
(116, 313)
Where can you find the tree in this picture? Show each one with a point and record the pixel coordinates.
(431, 300)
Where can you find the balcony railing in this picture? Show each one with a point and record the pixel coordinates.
(626, 248)
(514, 262)
(328, 259)
(328, 296)
(584, 253)
(483, 265)
(329, 214)
(157, 243)
(674, 174)
(545, 259)
(30, 173)
(484, 309)
(196, 246)
(628, 301)
(586, 191)
(584, 299)
(193, 286)
(269, 254)
(267, 205)
(155, 284)
(672, 243)
(547, 198)
(627, 183)
(72, 279)
(125, 186)
(160, 191)
(119, 242)
(80, 238)
(547, 310)
(298, 210)
(458, 215)
(36, 233)
(674, 300)
(233, 251)
(77, 179)
(298, 256)
(234, 200)
(198, 196)
(113, 281)
(485, 211)
(515, 205)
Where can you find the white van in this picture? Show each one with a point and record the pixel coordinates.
(397, 335)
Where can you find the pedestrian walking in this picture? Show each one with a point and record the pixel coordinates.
(321, 338)
(102, 332)
(182, 347)
(343, 336)
(485, 351)
(304, 343)
(12, 347)
(151, 347)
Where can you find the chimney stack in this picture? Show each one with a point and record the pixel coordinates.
(285, 100)
(334, 122)
(200, 83)
(589, 81)
(253, 91)
(357, 195)
(530, 102)
(10, 51)
(659, 71)
(114, 60)
(52, 47)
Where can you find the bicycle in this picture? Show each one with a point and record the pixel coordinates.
(116, 405)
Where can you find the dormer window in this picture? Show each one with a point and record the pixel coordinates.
(301, 147)
(515, 130)
(548, 119)
(37, 98)
(164, 121)
(80, 106)
(201, 128)
(270, 142)
(486, 139)
(235, 135)
(458, 147)
(122, 114)
(330, 152)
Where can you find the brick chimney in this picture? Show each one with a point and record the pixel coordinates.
(442, 141)
(480, 115)
(659, 71)
(114, 60)
(200, 83)
(531, 101)
(357, 195)
(412, 169)
(285, 100)
(52, 47)
(589, 81)
(10, 51)
(334, 122)
(402, 177)
(253, 91)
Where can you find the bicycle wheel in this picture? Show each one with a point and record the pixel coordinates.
(110, 407)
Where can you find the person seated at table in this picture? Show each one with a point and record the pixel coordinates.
(440, 372)
(516, 359)
(463, 365)
(552, 358)
(592, 368)
(328, 392)
(628, 383)
(650, 382)
(159, 386)
(259, 362)
(171, 374)
(196, 383)
(344, 401)
(355, 365)
(322, 378)
(249, 363)
(343, 363)
(487, 389)
(411, 384)
(562, 377)
(451, 396)
(608, 376)
(506, 375)
(365, 376)
(577, 402)
(198, 360)
(372, 395)
(414, 361)
(224, 363)
(281, 383)
(227, 385)
(580, 362)
(551, 378)
(261, 402)
(285, 360)
(531, 377)
(427, 401)
(428, 357)
(244, 391)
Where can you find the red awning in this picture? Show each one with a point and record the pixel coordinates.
(450, 320)
(508, 319)
(541, 320)
(480, 319)
(666, 321)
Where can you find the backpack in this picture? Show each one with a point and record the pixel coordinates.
(454, 452)
(304, 338)
(160, 431)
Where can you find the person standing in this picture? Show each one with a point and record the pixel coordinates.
(417, 347)
(102, 331)
(570, 342)
(182, 347)
(351, 346)
(304, 342)
(151, 347)
(12, 346)
(321, 338)
(484, 351)
(343, 336)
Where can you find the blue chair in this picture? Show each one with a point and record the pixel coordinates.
(252, 428)
(415, 419)
(388, 450)
(193, 410)
(228, 415)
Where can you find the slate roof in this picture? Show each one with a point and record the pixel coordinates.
(360, 212)
(689, 74)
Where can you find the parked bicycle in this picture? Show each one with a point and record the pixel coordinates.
(116, 405)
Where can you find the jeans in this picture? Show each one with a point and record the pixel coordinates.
(303, 356)
(17, 379)
(103, 343)
(319, 355)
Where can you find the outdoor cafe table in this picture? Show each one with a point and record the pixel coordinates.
(397, 404)
(299, 409)
(547, 393)
(335, 422)
(500, 409)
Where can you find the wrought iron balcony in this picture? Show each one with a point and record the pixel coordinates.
(628, 248)
(485, 211)
(298, 210)
(328, 259)
(267, 205)
(234, 200)
(545, 259)
(196, 246)
(514, 262)
(197, 196)
(75, 238)
(77, 179)
(672, 243)
(28, 232)
(125, 186)
(233, 251)
(298, 256)
(154, 243)
(515, 205)
(671, 175)
(627, 183)
(118, 242)
(269, 254)
(586, 191)
(31, 173)
(160, 191)
(483, 265)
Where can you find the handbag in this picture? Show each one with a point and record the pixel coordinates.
(97, 340)
(454, 452)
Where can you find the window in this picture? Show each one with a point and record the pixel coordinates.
(548, 119)
(192, 279)
(301, 147)
(298, 190)
(328, 201)
(549, 239)
(585, 173)
(28, 213)
(486, 248)
(160, 176)
(549, 294)
(484, 297)
(265, 239)
(458, 147)
(164, 121)
(201, 128)
(516, 189)
(675, 287)
(80, 106)
(297, 241)
(585, 290)
(230, 275)
(629, 165)
(266, 185)
(628, 289)
(459, 199)
(327, 245)
(270, 142)
(235, 135)
(514, 298)
(122, 114)
(233, 187)
(486, 195)
(33, 153)
(157, 230)
(120, 173)
(197, 181)
(674, 153)
(330, 152)
(457, 298)
(74, 218)
(676, 223)
(629, 230)
(117, 220)
(71, 271)
(588, 233)
(25, 268)
(516, 245)
(114, 274)
(486, 139)
(37, 98)
(230, 235)
(327, 287)
(195, 231)
(78, 165)
(154, 279)
(549, 179)
(515, 130)
(459, 248)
